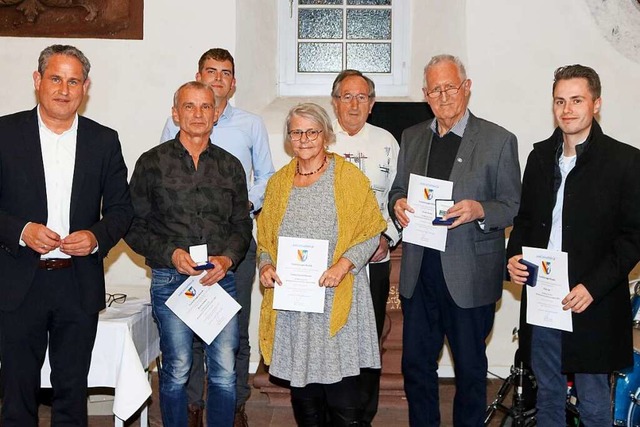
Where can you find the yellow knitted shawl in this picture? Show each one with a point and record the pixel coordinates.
(359, 219)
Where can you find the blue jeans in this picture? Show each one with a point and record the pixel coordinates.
(175, 343)
(593, 389)
(244, 274)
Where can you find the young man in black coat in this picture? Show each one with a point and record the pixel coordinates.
(580, 195)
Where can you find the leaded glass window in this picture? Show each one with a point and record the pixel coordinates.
(320, 38)
(337, 34)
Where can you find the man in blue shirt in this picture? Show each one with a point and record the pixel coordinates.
(244, 135)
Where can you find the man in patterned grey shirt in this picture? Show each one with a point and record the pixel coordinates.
(188, 192)
(244, 135)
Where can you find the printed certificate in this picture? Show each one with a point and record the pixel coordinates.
(544, 301)
(422, 196)
(301, 262)
(205, 309)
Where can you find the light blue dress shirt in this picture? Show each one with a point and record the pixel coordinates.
(244, 135)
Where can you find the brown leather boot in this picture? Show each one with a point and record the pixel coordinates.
(241, 419)
(194, 415)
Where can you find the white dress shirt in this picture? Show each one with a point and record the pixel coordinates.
(58, 158)
(555, 239)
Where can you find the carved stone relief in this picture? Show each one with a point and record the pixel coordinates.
(120, 19)
(619, 23)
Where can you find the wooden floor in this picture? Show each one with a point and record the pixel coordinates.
(262, 415)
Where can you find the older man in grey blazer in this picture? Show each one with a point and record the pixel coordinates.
(453, 293)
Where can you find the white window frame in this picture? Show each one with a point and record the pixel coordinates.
(293, 83)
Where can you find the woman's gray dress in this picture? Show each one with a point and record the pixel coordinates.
(303, 351)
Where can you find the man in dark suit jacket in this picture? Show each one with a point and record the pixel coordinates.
(580, 195)
(453, 293)
(64, 203)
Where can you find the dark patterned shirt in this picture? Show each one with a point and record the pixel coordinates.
(177, 205)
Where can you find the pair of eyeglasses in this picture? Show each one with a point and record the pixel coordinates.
(360, 98)
(117, 298)
(450, 91)
(312, 134)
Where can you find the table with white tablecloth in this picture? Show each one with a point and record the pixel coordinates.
(126, 344)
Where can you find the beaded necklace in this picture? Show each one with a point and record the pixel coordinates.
(324, 162)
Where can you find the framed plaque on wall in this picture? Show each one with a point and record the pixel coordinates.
(113, 19)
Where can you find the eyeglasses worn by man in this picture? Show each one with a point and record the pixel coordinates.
(453, 293)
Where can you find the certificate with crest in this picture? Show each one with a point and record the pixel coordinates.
(544, 301)
(205, 309)
(422, 195)
(301, 262)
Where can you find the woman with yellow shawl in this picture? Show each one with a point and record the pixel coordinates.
(319, 195)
